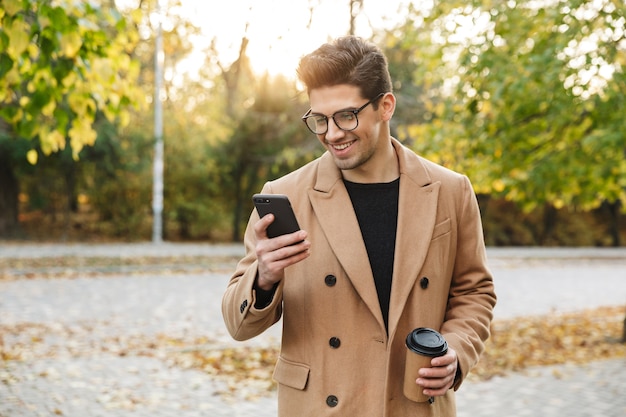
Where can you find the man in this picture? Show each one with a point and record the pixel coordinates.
(390, 242)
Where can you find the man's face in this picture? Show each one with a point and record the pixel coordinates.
(355, 149)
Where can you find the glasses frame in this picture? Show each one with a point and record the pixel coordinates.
(308, 114)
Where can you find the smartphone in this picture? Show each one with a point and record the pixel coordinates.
(284, 218)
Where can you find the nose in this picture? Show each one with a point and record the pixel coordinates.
(333, 132)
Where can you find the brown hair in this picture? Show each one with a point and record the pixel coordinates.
(347, 60)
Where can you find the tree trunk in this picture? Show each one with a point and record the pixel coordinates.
(71, 202)
(9, 191)
(355, 9)
(237, 213)
(549, 223)
(612, 211)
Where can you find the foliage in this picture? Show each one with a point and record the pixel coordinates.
(74, 267)
(268, 140)
(405, 57)
(118, 167)
(505, 224)
(526, 100)
(533, 98)
(64, 67)
(193, 199)
(60, 65)
(116, 170)
(578, 337)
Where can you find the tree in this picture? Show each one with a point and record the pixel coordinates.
(194, 200)
(61, 67)
(409, 66)
(534, 99)
(268, 140)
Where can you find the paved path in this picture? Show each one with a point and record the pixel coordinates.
(84, 311)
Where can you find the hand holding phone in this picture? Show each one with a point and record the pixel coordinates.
(271, 268)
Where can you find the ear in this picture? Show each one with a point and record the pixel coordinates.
(387, 106)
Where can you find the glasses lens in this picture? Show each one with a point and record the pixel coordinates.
(317, 124)
(346, 120)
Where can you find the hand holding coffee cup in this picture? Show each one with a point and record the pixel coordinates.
(422, 344)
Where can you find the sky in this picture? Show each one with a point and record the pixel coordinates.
(281, 31)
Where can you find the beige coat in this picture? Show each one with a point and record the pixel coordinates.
(336, 358)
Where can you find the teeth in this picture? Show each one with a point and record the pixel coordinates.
(342, 146)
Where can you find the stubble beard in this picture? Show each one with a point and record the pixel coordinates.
(355, 161)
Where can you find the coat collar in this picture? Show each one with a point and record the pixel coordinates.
(417, 209)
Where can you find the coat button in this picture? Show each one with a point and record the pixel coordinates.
(330, 280)
(332, 401)
(424, 283)
(334, 342)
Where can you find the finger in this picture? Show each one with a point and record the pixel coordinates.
(290, 239)
(436, 372)
(276, 254)
(287, 247)
(434, 383)
(430, 392)
(279, 264)
(444, 360)
(437, 386)
(260, 228)
(282, 246)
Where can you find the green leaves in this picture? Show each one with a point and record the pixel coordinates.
(533, 104)
(18, 34)
(61, 66)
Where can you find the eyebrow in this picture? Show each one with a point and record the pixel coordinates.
(337, 111)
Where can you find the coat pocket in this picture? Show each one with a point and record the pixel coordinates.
(441, 229)
(291, 374)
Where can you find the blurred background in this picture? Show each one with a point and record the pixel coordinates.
(117, 116)
(129, 122)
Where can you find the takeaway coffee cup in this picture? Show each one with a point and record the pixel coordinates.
(422, 344)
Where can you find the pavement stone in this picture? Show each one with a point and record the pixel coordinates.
(596, 389)
(109, 385)
(529, 281)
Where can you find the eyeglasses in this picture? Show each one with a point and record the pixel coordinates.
(346, 120)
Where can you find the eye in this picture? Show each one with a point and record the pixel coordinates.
(345, 116)
(319, 118)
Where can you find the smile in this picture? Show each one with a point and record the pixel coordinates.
(342, 146)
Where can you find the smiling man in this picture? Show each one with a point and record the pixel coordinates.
(390, 242)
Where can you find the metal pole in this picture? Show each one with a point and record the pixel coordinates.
(157, 189)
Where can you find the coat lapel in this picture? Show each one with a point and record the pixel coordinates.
(417, 211)
(333, 209)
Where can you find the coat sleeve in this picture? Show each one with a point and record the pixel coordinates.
(472, 297)
(242, 319)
